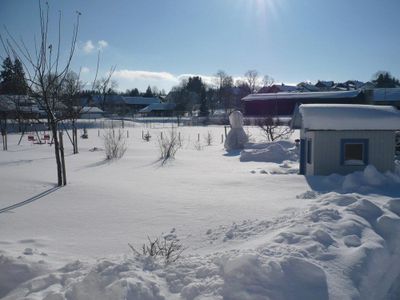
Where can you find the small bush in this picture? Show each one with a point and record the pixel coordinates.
(114, 144)
(198, 146)
(209, 138)
(169, 249)
(168, 145)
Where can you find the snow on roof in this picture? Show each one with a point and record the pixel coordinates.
(349, 117)
(140, 100)
(303, 95)
(92, 110)
(382, 94)
(158, 107)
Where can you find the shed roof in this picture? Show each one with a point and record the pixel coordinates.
(91, 110)
(140, 100)
(158, 107)
(347, 117)
(304, 95)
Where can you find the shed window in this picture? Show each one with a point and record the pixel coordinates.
(354, 152)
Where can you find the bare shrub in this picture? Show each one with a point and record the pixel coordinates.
(169, 249)
(274, 129)
(114, 144)
(168, 145)
(249, 135)
(209, 138)
(198, 146)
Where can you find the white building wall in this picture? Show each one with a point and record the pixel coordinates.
(326, 152)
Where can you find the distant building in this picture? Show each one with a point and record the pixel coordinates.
(284, 104)
(324, 85)
(343, 138)
(88, 112)
(135, 104)
(19, 106)
(158, 110)
(383, 96)
(120, 104)
(277, 88)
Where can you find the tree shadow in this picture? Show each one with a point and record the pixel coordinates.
(96, 164)
(32, 199)
(235, 152)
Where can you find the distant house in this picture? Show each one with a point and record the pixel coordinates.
(384, 96)
(135, 104)
(340, 138)
(307, 87)
(120, 104)
(19, 106)
(324, 85)
(284, 104)
(277, 88)
(158, 110)
(88, 112)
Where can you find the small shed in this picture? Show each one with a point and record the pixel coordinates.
(91, 112)
(344, 138)
(158, 110)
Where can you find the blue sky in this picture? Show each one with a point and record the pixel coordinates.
(157, 42)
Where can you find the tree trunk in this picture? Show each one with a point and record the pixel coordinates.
(53, 127)
(64, 173)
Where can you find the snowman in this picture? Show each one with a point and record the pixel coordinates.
(236, 137)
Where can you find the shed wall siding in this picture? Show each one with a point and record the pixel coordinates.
(327, 147)
(310, 169)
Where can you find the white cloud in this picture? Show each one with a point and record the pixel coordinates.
(85, 70)
(102, 44)
(88, 46)
(163, 80)
(139, 75)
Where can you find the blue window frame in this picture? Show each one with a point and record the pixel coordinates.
(309, 151)
(354, 152)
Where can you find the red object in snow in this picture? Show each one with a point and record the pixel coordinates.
(46, 137)
(31, 138)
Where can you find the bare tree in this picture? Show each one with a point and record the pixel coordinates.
(274, 129)
(103, 86)
(252, 80)
(225, 94)
(268, 81)
(72, 87)
(46, 73)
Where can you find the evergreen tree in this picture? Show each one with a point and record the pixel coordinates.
(20, 84)
(385, 80)
(133, 92)
(148, 93)
(12, 78)
(196, 86)
(6, 76)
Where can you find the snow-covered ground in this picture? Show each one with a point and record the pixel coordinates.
(251, 227)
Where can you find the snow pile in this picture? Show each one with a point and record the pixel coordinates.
(276, 152)
(339, 247)
(15, 271)
(368, 181)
